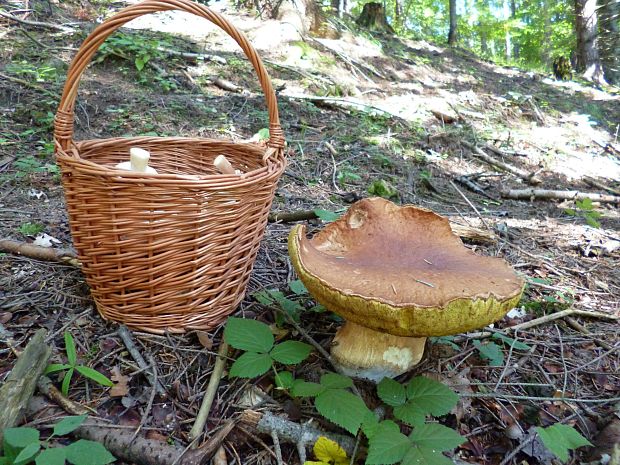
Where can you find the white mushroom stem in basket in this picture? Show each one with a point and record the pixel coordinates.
(223, 165)
(138, 161)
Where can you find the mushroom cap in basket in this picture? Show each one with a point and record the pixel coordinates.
(402, 271)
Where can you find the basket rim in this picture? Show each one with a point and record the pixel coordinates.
(71, 159)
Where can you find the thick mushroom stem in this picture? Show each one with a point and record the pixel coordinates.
(365, 353)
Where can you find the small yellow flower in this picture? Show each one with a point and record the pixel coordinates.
(329, 453)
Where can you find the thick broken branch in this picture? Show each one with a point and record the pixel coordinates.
(39, 253)
(27, 22)
(266, 423)
(19, 386)
(478, 152)
(544, 194)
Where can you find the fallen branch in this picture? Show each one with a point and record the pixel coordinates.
(478, 152)
(561, 314)
(446, 118)
(39, 253)
(593, 182)
(127, 339)
(292, 432)
(544, 194)
(29, 84)
(140, 451)
(465, 232)
(27, 22)
(207, 401)
(19, 386)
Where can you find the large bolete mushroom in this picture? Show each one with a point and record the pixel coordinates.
(398, 275)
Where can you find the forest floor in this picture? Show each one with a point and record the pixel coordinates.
(363, 115)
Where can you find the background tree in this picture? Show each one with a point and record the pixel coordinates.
(453, 24)
(586, 26)
(609, 39)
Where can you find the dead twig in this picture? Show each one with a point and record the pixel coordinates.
(478, 152)
(470, 204)
(27, 22)
(544, 194)
(554, 316)
(207, 401)
(39, 253)
(127, 339)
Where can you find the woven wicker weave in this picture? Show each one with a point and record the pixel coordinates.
(172, 251)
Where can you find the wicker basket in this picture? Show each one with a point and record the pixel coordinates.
(173, 251)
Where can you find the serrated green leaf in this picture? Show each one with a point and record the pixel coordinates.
(422, 456)
(249, 335)
(15, 439)
(431, 396)
(387, 447)
(84, 452)
(342, 408)
(284, 379)
(559, 439)
(263, 297)
(54, 367)
(391, 392)
(27, 453)
(70, 348)
(97, 377)
(411, 413)
(436, 437)
(68, 424)
(51, 456)
(511, 342)
(336, 381)
(292, 308)
(447, 340)
(290, 352)
(326, 215)
(250, 365)
(297, 287)
(66, 382)
(491, 352)
(301, 388)
(370, 424)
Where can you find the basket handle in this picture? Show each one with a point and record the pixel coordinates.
(63, 123)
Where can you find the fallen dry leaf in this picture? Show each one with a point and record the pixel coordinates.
(120, 387)
(204, 339)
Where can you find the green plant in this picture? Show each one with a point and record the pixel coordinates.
(261, 352)
(43, 73)
(383, 188)
(326, 215)
(23, 445)
(559, 439)
(585, 210)
(346, 174)
(31, 229)
(72, 367)
(334, 401)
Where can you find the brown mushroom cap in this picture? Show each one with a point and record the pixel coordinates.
(403, 271)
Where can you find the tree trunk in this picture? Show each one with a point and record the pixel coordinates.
(586, 26)
(513, 14)
(306, 16)
(609, 40)
(546, 57)
(507, 35)
(453, 23)
(373, 18)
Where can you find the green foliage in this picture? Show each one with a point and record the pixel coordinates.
(559, 439)
(334, 401)
(261, 352)
(326, 215)
(272, 298)
(25, 165)
(585, 210)
(420, 397)
(72, 366)
(491, 352)
(447, 340)
(31, 229)
(22, 446)
(33, 72)
(347, 174)
(383, 188)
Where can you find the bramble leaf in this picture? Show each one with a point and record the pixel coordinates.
(411, 413)
(559, 439)
(290, 352)
(326, 215)
(336, 381)
(391, 392)
(303, 388)
(511, 342)
(52, 456)
(436, 437)
(250, 365)
(249, 335)
(422, 456)
(341, 407)
(387, 446)
(68, 424)
(297, 287)
(84, 452)
(284, 379)
(431, 396)
(491, 352)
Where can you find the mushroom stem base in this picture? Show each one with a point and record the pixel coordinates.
(365, 353)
